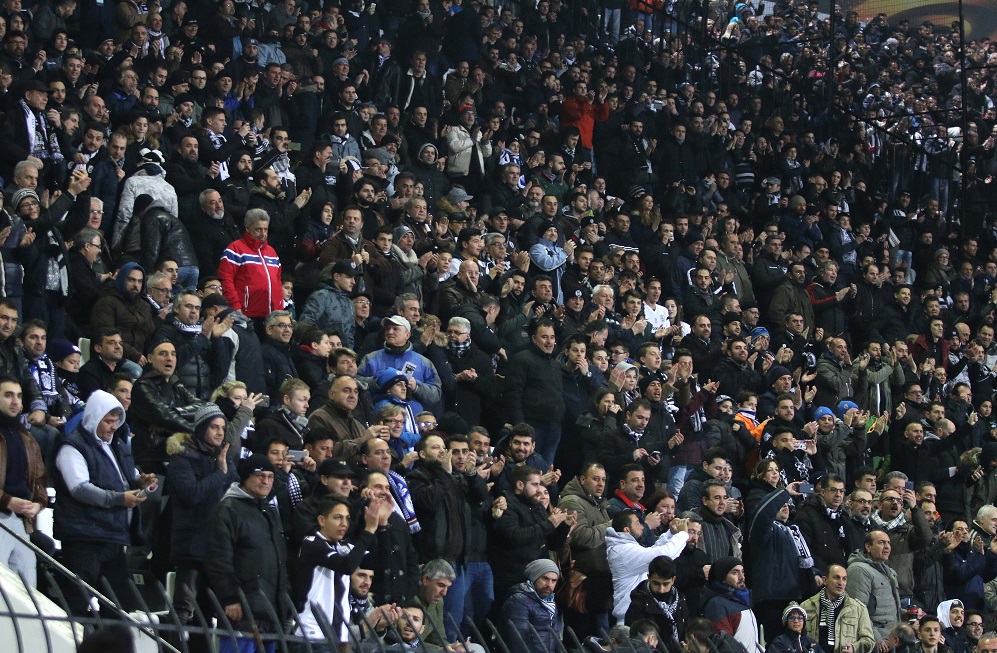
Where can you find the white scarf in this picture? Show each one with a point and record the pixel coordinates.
(218, 140)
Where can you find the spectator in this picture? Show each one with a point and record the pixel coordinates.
(23, 493)
(627, 555)
(98, 487)
(720, 536)
(534, 389)
(249, 553)
(872, 582)
(794, 620)
(726, 602)
(846, 627)
(330, 307)
(250, 270)
(200, 472)
(531, 610)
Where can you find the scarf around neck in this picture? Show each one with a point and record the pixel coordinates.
(546, 602)
(896, 522)
(405, 504)
(669, 605)
(829, 614)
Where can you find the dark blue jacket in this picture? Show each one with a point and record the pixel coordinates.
(80, 522)
(195, 485)
(524, 607)
(772, 562)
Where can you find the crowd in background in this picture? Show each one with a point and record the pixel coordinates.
(668, 322)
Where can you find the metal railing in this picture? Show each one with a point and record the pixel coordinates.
(162, 629)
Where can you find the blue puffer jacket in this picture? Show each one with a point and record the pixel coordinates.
(524, 607)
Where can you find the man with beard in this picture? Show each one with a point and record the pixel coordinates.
(908, 531)
(211, 230)
(859, 509)
(736, 372)
(276, 156)
(268, 194)
(727, 603)
(122, 307)
(519, 450)
(523, 530)
(693, 564)
(188, 177)
(444, 499)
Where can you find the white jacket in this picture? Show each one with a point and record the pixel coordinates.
(628, 561)
(143, 182)
(459, 146)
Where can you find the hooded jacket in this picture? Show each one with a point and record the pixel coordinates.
(195, 485)
(874, 584)
(628, 562)
(95, 511)
(772, 560)
(438, 497)
(830, 540)
(150, 180)
(524, 608)
(131, 317)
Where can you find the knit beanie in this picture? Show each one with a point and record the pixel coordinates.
(721, 567)
(845, 406)
(538, 568)
(253, 465)
(204, 416)
(822, 411)
(790, 609)
(60, 349)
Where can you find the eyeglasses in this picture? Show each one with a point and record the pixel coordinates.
(362, 302)
(456, 333)
(153, 289)
(213, 286)
(192, 307)
(891, 500)
(97, 245)
(284, 325)
(96, 212)
(795, 617)
(427, 425)
(30, 204)
(396, 420)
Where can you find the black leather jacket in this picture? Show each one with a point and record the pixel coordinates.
(160, 407)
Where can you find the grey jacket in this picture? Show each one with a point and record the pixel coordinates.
(875, 585)
(331, 308)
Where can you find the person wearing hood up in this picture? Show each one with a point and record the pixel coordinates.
(952, 617)
(249, 553)
(426, 168)
(122, 308)
(149, 179)
(98, 486)
(200, 471)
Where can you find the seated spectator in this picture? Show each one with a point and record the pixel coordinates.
(531, 603)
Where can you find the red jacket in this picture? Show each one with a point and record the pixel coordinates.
(250, 276)
(582, 114)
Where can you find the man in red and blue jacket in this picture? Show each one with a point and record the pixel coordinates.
(250, 270)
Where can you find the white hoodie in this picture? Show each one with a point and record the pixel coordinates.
(628, 561)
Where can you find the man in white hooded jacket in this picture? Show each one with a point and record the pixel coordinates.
(628, 559)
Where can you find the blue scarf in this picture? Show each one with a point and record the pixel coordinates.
(400, 488)
(741, 596)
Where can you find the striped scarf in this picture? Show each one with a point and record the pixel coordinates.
(400, 489)
(829, 615)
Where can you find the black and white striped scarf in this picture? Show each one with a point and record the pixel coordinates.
(829, 615)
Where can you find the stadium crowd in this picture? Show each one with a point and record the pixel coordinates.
(661, 319)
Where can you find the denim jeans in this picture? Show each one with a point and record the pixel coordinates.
(676, 477)
(246, 645)
(611, 24)
(547, 440)
(480, 594)
(453, 602)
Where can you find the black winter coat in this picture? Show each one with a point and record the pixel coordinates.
(192, 363)
(534, 389)
(521, 535)
(830, 542)
(195, 485)
(436, 496)
(643, 605)
(210, 238)
(248, 552)
(158, 234)
(279, 365)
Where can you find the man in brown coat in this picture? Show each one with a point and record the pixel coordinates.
(22, 482)
(336, 417)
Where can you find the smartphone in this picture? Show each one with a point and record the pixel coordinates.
(264, 401)
(909, 485)
(656, 453)
(801, 445)
(807, 488)
(296, 455)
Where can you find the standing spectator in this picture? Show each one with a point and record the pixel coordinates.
(200, 472)
(720, 536)
(22, 491)
(250, 270)
(532, 604)
(249, 553)
(122, 307)
(872, 582)
(533, 389)
(330, 307)
(98, 487)
(398, 353)
(658, 600)
(628, 558)
(836, 621)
